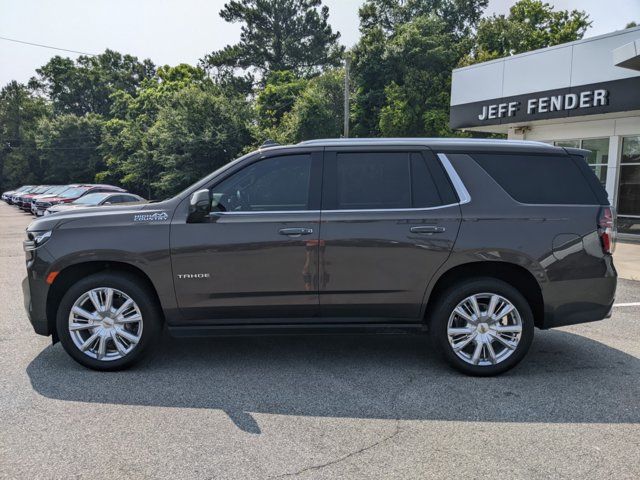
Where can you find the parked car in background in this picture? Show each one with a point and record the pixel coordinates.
(16, 194)
(6, 196)
(52, 192)
(28, 199)
(72, 194)
(24, 199)
(96, 200)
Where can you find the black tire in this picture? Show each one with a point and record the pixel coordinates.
(138, 292)
(449, 300)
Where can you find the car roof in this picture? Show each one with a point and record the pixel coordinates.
(438, 143)
(445, 144)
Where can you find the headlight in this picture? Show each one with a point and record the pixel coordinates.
(36, 239)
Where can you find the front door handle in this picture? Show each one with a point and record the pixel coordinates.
(295, 232)
(428, 229)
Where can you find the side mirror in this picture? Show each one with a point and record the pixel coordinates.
(199, 206)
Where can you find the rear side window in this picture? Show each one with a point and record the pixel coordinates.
(539, 179)
(383, 181)
(424, 192)
(373, 181)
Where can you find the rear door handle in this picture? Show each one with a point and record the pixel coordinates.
(295, 232)
(428, 229)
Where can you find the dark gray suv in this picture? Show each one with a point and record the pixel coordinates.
(474, 242)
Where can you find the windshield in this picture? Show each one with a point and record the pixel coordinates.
(91, 199)
(73, 192)
(57, 189)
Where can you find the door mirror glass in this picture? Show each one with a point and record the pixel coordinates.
(199, 206)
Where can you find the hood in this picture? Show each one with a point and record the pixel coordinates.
(67, 206)
(56, 199)
(93, 214)
(40, 196)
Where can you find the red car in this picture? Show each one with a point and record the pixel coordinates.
(71, 194)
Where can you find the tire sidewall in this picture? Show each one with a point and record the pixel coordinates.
(128, 284)
(453, 296)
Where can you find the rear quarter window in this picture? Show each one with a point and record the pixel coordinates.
(539, 179)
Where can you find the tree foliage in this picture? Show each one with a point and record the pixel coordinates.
(279, 35)
(402, 64)
(20, 112)
(86, 85)
(530, 25)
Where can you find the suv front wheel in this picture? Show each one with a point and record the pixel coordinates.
(107, 321)
(482, 326)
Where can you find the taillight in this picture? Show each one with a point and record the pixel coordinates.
(607, 229)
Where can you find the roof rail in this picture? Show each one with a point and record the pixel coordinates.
(269, 143)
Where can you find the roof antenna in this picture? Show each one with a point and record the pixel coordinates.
(269, 143)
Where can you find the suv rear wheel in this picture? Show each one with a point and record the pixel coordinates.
(482, 326)
(107, 321)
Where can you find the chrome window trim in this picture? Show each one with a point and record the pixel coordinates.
(461, 190)
(269, 212)
(373, 210)
(390, 209)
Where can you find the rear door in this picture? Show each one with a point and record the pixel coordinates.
(389, 219)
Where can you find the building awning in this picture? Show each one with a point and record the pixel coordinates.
(628, 55)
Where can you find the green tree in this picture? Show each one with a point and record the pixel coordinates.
(279, 35)
(403, 61)
(422, 55)
(277, 97)
(631, 25)
(86, 85)
(317, 111)
(20, 112)
(198, 130)
(128, 155)
(531, 24)
(68, 148)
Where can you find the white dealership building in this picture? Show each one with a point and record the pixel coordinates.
(580, 94)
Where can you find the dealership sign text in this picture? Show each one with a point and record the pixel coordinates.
(552, 103)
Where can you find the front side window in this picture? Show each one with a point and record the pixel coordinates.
(273, 184)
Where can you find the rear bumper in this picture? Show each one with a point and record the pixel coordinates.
(569, 302)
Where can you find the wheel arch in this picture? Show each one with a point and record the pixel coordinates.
(516, 275)
(72, 273)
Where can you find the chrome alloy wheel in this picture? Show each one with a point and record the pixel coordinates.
(484, 329)
(105, 324)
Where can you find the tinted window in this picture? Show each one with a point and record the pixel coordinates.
(277, 183)
(539, 179)
(372, 181)
(91, 199)
(126, 198)
(424, 192)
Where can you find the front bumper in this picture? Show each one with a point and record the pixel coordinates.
(35, 290)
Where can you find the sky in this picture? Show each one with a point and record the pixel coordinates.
(183, 31)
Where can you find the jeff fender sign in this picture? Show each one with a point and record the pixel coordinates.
(621, 95)
(554, 103)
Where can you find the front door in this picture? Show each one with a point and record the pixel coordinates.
(255, 258)
(389, 219)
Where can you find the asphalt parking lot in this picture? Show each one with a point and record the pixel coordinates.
(316, 407)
